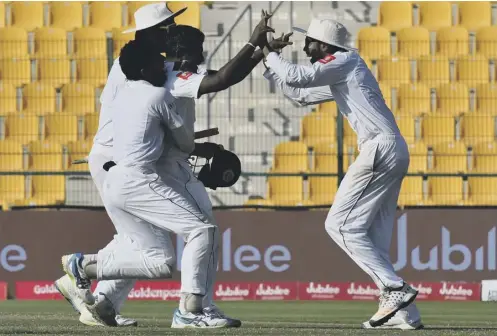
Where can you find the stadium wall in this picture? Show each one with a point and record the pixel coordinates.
(440, 249)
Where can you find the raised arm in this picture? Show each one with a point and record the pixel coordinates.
(241, 65)
(304, 97)
(327, 71)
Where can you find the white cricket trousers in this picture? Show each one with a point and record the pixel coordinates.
(173, 202)
(117, 290)
(362, 216)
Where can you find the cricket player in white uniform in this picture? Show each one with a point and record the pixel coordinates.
(361, 218)
(186, 82)
(211, 83)
(151, 21)
(147, 204)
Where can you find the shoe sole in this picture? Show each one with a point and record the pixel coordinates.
(107, 322)
(193, 327)
(403, 326)
(60, 288)
(387, 317)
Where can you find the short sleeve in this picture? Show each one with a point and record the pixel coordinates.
(184, 84)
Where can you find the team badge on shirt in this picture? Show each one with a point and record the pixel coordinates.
(184, 75)
(327, 59)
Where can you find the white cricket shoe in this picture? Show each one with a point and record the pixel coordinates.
(391, 301)
(68, 289)
(214, 311)
(201, 321)
(71, 264)
(126, 321)
(103, 310)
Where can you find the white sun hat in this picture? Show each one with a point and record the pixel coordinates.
(152, 14)
(327, 31)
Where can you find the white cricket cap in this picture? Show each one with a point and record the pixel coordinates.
(327, 31)
(152, 14)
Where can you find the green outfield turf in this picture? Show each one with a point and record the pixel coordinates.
(259, 318)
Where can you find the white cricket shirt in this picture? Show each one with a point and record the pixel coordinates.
(142, 116)
(184, 88)
(350, 83)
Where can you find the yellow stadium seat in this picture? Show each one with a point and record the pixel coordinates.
(67, 15)
(284, 190)
(452, 42)
(374, 42)
(482, 190)
(411, 192)
(22, 128)
(316, 128)
(486, 41)
(76, 151)
(474, 15)
(50, 42)
(45, 156)
(326, 158)
(38, 99)
(322, 190)
(486, 98)
(484, 158)
(78, 99)
(119, 40)
(291, 157)
(191, 17)
(472, 70)
(13, 42)
(62, 128)
(413, 42)
(433, 70)
(2, 14)
(395, 15)
(54, 71)
(133, 7)
(15, 71)
(105, 15)
(418, 157)
(452, 99)
(445, 190)
(329, 108)
(11, 153)
(386, 91)
(92, 71)
(437, 129)
(434, 15)
(349, 136)
(12, 188)
(8, 100)
(394, 70)
(91, 125)
(450, 157)
(414, 99)
(90, 42)
(47, 190)
(407, 128)
(27, 15)
(478, 128)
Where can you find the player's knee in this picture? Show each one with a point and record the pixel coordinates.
(331, 226)
(162, 271)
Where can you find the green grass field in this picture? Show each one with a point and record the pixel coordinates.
(259, 318)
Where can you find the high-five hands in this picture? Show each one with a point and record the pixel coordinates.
(259, 36)
(281, 42)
